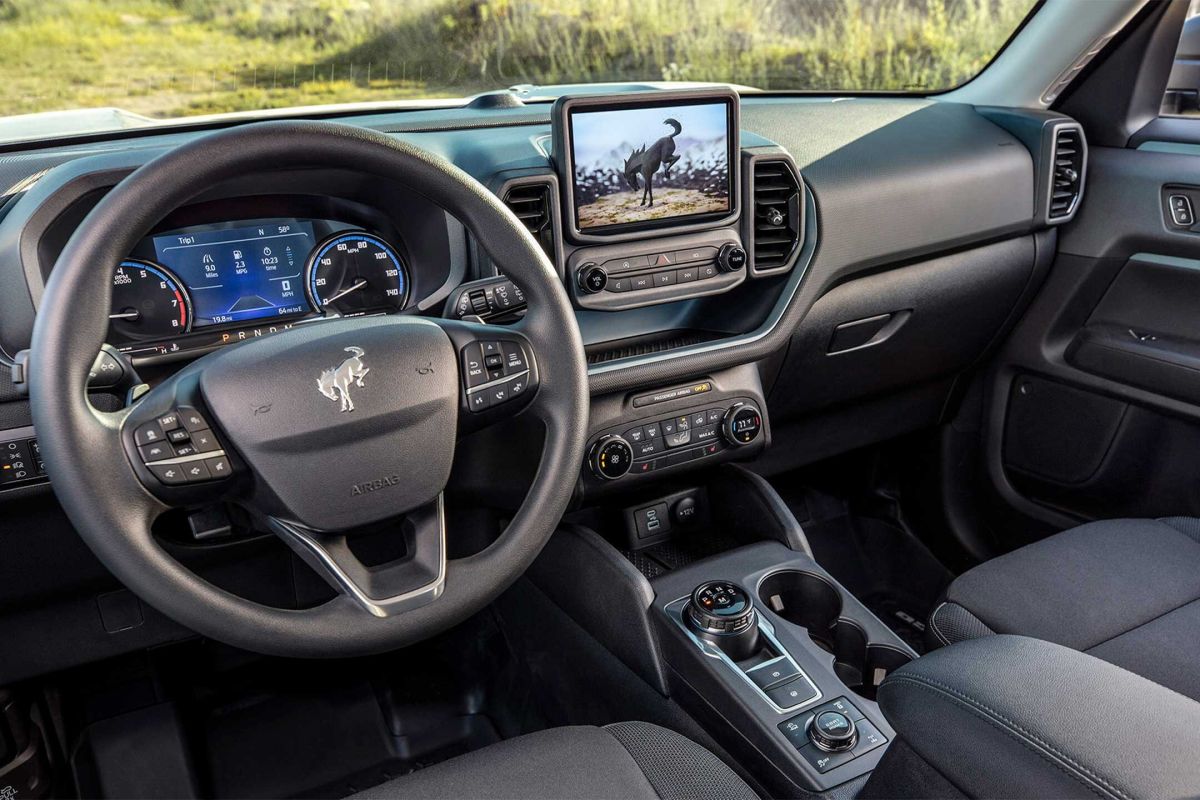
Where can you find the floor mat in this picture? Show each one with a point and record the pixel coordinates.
(887, 568)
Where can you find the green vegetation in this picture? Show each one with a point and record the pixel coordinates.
(176, 57)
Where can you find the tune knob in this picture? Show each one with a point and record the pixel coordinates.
(742, 424)
(833, 731)
(592, 279)
(731, 258)
(611, 457)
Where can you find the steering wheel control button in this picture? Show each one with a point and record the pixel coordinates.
(178, 435)
(514, 358)
(191, 419)
(195, 471)
(472, 366)
(794, 693)
(170, 474)
(773, 673)
(611, 458)
(742, 424)
(218, 466)
(205, 442)
(156, 452)
(150, 433)
(169, 422)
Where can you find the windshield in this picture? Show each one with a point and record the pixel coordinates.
(87, 65)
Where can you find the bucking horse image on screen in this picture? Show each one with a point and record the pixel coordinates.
(643, 163)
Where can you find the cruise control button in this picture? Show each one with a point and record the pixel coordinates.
(185, 449)
(514, 358)
(792, 694)
(205, 442)
(169, 421)
(191, 419)
(472, 365)
(218, 466)
(156, 452)
(178, 435)
(150, 433)
(170, 474)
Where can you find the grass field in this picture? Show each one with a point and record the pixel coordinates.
(176, 57)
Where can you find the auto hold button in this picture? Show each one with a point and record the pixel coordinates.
(772, 673)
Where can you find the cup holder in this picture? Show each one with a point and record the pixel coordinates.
(815, 604)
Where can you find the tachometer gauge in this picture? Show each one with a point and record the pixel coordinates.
(148, 302)
(357, 273)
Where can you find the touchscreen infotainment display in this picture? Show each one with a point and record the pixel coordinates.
(650, 165)
(238, 274)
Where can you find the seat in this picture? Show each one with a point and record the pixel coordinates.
(1126, 591)
(626, 760)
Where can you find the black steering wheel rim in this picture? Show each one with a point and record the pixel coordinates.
(113, 511)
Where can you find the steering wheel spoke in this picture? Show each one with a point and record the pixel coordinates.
(498, 372)
(416, 579)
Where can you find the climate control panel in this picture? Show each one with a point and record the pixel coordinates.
(676, 438)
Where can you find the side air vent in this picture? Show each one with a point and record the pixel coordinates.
(1068, 157)
(531, 202)
(778, 216)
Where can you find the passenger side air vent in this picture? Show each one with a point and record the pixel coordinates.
(531, 202)
(1068, 159)
(778, 219)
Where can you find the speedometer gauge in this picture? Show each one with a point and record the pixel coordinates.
(357, 273)
(148, 302)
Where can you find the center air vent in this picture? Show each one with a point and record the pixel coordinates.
(531, 203)
(1068, 156)
(778, 221)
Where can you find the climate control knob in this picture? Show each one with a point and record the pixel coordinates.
(611, 457)
(731, 258)
(593, 279)
(742, 424)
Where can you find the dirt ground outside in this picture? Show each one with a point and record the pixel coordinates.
(622, 207)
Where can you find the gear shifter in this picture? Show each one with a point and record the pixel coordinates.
(720, 612)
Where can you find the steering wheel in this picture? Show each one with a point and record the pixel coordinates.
(317, 431)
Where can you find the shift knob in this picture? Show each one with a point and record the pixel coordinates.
(721, 613)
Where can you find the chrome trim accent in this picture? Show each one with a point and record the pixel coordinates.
(799, 270)
(674, 610)
(496, 382)
(184, 459)
(301, 539)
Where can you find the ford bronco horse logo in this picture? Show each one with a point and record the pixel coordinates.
(335, 382)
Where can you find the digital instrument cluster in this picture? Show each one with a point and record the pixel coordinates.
(209, 281)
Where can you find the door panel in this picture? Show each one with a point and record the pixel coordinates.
(1094, 401)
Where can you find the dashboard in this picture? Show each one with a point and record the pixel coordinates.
(200, 286)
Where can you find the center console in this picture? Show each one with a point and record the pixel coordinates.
(780, 658)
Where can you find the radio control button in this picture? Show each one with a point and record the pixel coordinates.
(170, 474)
(695, 254)
(687, 275)
(664, 278)
(731, 258)
(625, 264)
(619, 284)
(593, 279)
(639, 283)
(472, 365)
(708, 271)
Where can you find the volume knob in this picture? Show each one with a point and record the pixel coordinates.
(593, 279)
